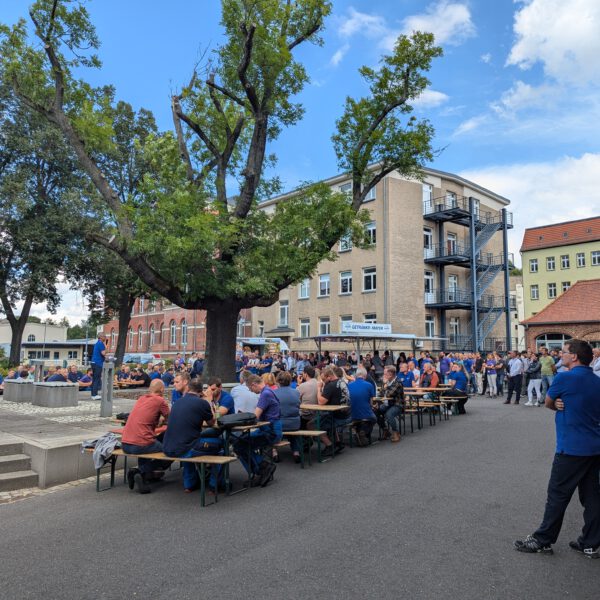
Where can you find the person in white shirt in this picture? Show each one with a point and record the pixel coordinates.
(515, 377)
(596, 362)
(244, 400)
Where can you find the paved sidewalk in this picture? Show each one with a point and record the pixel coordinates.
(431, 517)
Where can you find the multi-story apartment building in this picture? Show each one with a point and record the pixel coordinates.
(437, 266)
(555, 257)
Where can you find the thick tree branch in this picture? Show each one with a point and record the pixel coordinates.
(243, 67)
(183, 151)
(315, 26)
(199, 132)
(215, 86)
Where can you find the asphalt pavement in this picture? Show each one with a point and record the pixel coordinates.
(431, 517)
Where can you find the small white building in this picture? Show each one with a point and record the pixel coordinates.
(34, 332)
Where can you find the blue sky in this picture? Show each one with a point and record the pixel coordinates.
(514, 100)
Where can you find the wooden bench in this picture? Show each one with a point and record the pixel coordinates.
(200, 462)
(304, 433)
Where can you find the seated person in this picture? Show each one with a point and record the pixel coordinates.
(22, 375)
(247, 447)
(220, 397)
(74, 374)
(60, 375)
(405, 376)
(51, 371)
(86, 380)
(180, 386)
(168, 376)
(458, 378)
(289, 402)
(140, 378)
(332, 392)
(124, 374)
(244, 400)
(393, 392)
(184, 438)
(429, 378)
(149, 411)
(155, 373)
(363, 417)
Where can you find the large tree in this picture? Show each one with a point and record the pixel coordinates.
(196, 233)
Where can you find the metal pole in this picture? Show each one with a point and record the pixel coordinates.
(506, 278)
(474, 302)
(106, 393)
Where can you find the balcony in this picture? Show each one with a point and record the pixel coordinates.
(456, 209)
(448, 298)
(449, 253)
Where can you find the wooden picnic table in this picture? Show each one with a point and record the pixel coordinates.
(321, 408)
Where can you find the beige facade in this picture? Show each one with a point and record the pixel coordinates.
(34, 332)
(396, 293)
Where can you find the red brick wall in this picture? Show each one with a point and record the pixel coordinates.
(161, 320)
(586, 331)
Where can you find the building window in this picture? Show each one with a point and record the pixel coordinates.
(581, 259)
(324, 326)
(142, 303)
(324, 285)
(533, 265)
(371, 233)
(550, 263)
(371, 195)
(152, 305)
(31, 337)
(552, 340)
(534, 292)
(304, 328)
(429, 326)
(370, 318)
(454, 328)
(184, 333)
(283, 313)
(130, 336)
(451, 243)
(429, 282)
(428, 243)
(173, 333)
(551, 290)
(112, 338)
(261, 329)
(427, 198)
(72, 354)
(152, 334)
(345, 243)
(565, 286)
(346, 282)
(346, 188)
(56, 355)
(344, 319)
(160, 333)
(565, 263)
(452, 288)
(595, 258)
(369, 279)
(304, 289)
(140, 336)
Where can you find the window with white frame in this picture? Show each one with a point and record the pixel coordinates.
(565, 262)
(451, 243)
(371, 231)
(550, 263)
(130, 336)
(429, 283)
(534, 292)
(140, 336)
(261, 328)
(324, 326)
(304, 289)
(345, 188)
(551, 290)
(451, 199)
(304, 328)
(113, 338)
(581, 259)
(324, 285)
(454, 327)
(429, 326)
(284, 307)
(184, 333)
(369, 279)
(427, 243)
(371, 195)
(72, 354)
(427, 197)
(370, 318)
(31, 337)
(152, 305)
(345, 243)
(173, 333)
(152, 334)
(142, 304)
(565, 286)
(533, 265)
(595, 258)
(344, 319)
(346, 282)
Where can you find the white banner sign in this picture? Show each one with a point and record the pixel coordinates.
(374, 328)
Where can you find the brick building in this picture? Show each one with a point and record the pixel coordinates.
(166, 329)
(574, 314)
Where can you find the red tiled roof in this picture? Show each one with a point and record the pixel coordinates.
(561, 234)
(579, 304)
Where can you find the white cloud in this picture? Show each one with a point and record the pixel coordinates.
(470, 125)
(339, 54)
(544, 192)
(371, 26)
(450, 22)
(524, 96)
(486, 58)
(72, 306)
(430, 99)
(562, 35)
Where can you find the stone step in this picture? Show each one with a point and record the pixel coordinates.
(18, 480)
(7, 448)
(14, 462)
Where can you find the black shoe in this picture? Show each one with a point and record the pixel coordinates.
(329, 451)
(297, 459)
(506, 402)
(140, 482)
(362, 438)
(531, 546)
(254, 481)
(267, 475)
(130, 478)
(587, 552)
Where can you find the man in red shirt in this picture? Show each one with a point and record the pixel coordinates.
(139, 436)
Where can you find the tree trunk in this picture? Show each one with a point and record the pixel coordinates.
(221, 334)
(17, 328)
(126, 302)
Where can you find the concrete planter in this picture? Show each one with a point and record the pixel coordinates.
(18, 391)
(55, 394)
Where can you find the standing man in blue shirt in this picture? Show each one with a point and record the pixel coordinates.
(98, 357)
(575, 396)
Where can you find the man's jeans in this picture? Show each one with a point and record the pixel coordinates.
(568, 473)
(97, 380)
(514, 385)
(392, 417)
(147, 465)
(546, 383)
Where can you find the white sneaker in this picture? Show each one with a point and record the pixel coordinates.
(528, 403)
(96, 397)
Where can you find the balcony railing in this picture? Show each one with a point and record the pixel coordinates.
(464, 297)
(460, 204)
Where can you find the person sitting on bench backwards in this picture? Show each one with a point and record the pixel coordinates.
(363, 417)
(139, 437)
(247, 446)
(184, 439)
